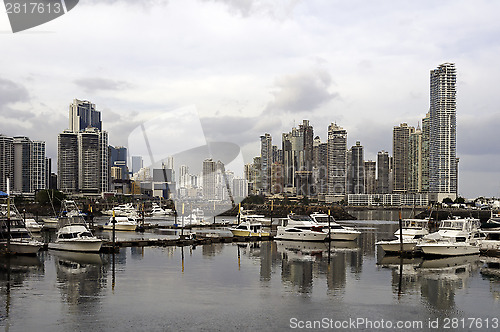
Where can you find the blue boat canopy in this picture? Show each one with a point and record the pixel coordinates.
(3, 194)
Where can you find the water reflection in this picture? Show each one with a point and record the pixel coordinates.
(436, 279)
(80, 280)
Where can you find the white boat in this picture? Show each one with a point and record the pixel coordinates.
(50, 222)
(73, 233)
(336, 231)
(122, 224)
(123, 210)
(250, 214)
(491, 241)
(249, 228)
(33, 226)
(301, 228)
(157, 211)
(455, 237)
(18, 238)
(197, 217)
(413, 230)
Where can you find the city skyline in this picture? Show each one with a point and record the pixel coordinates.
(365, 67)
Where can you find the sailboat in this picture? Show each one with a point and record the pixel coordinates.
(13, 233)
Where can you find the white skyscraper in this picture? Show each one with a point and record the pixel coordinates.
(443, 132)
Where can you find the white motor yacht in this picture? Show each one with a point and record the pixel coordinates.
(455, 237)
(157, 211)
(336, 231)
(197, 217)
(412, 230)
(123, 210)
(122, 224)
(73, 233)
(301, 228)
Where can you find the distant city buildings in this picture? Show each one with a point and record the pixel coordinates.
(24, 162)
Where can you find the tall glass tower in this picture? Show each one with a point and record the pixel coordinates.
(443, 131)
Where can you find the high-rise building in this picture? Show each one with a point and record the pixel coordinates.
(40, 166)
(415, 161)
(425, 152)
(293, 157)
(83, 153)
(22, 164)
(67, 161)
(6, 162)
(442, 133)
(383, 170)
(400, 151)
(209, 179)
(370, 177)
(277, 178)
(320, 167)
(82, 115)
(337, 160)
(356, 170)
(118, 158)
(308, 135)
(266, 157)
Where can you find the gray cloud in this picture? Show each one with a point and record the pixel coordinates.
(96, 84)
(301, 92)
(11, 92)
(478, 135)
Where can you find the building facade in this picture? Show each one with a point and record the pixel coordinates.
(400, 153)
(337, 159)
(442, 134)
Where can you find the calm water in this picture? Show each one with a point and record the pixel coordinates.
(258, 286)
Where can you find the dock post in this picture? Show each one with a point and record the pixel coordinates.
(113, 221)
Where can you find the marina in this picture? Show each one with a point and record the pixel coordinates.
(201, 287)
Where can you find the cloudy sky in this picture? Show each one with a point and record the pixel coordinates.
(251, 67)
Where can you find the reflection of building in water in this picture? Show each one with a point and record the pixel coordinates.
(266, 260)
(210, 250)
(80, 277)
(304, 261)
(14, 270)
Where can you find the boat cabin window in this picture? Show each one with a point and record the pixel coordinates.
(241, 227)
(460, 239)
(293, 230)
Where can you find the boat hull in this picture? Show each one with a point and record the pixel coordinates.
(244, 233)
(448, 249)
(395, 246)
(122, 227)
(80, 246)
(302, 236)
(24, 247)
(347, 236)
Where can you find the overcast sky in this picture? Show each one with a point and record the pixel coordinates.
(251, 67)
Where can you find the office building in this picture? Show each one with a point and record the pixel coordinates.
(370, 177)
(400, 153)
(209, 179)
(356, 170)
(83, 115)
(337, 159)
(383, 171)
(266, 157)
(6, 162)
